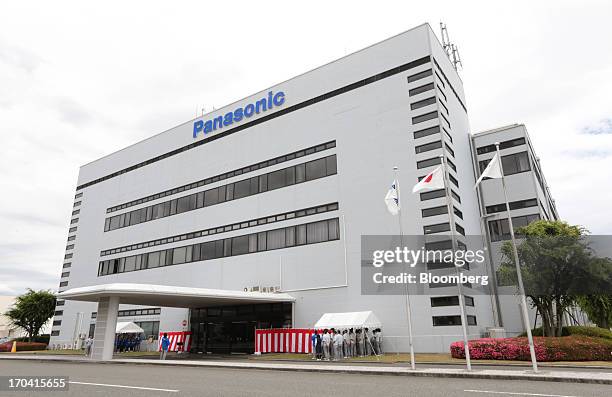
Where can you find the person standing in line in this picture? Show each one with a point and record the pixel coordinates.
(379, 341)
(359, 343)
(332, 333)
(318, 348)
(326, 339)
(313, 343)
(375, 341)
(338, 341)
(165, 345)
(345, 344)
(367, 338)
(352, 342)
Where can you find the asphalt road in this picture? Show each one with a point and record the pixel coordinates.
(138, 380)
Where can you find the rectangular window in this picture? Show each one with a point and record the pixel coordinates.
(432, 194)
(428, 162)
(56, 323)
(515, 163)
(65, 274)
(63, 284)
(69, 246)
(514, 205)
(443, 209)
(426, 132)
(421, 89)
(240, 245)
(72, 229)
(427, 147)
(499, 229)
(73, 221)
(71, 238)
(76, 204)
(438, 228)
(316, 169)
(439, 321)
(449, 149)
(423, 103)
(76, 212)
(58, 313)
(66, 265)
(420, 75)
(457, 212)
(67, 256)
(78, 195)
(455, 196)
(502, 145)
(424, 117)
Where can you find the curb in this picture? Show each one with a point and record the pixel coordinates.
(568, 377)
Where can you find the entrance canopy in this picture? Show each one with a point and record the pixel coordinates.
(169, 296)
(348, 320)
(128, 328)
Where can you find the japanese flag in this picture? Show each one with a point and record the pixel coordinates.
(392, 199)
(493, 170)
(433, 180)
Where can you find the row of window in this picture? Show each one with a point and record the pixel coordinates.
(300, 173)
(425, 117)
(134, 312)
(499, 229)
(502, 145)
(226, 175)
(421, 89)
(291, 236)
(432, 194)
(450, 85)
(442, 227)
(441, 321)
(227, 228)
(511, 164)
(422, 103)
(440, 210)
(323, 97)
(514, 205)
(440, 301)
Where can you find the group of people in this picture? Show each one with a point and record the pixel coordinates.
(332, 344)
(127, 343)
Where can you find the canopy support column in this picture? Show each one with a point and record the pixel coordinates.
(106, 323)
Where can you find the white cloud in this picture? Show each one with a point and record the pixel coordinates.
(72, 73)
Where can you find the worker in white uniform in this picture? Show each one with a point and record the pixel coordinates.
(326, 340)
(338, 342)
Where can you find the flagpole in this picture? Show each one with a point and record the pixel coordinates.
(451, 215)
(534, 361)
(407, 295)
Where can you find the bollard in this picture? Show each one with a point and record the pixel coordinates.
(14, 348)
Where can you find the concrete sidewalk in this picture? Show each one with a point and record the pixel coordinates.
(513, 374)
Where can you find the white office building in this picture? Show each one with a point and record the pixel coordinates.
(251, 216)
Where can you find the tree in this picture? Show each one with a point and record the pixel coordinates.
(557, 266)
(31, 311)
(598, 308)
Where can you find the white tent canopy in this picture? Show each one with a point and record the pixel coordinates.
(128, 328)
(349, 320)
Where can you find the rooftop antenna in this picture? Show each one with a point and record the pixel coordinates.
(451, 50)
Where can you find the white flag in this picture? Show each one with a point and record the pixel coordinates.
(392, 199)
(433, 180)
(493, 170)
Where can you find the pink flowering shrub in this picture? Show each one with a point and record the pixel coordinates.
(568, 348)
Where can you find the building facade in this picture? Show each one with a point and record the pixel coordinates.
(272, 193)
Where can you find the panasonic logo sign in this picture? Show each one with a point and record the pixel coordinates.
(237, 115)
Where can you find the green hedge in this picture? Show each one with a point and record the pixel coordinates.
(594, 332)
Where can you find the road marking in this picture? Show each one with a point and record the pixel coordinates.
(517, 393)
(123, 386)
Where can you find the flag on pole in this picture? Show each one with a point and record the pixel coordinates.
(492, 171)
(433, 180)
(392, 199)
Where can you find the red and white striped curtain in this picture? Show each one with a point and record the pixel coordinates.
(175, 338)
(283, 340)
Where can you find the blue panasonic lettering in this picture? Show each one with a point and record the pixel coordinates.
(260, 106)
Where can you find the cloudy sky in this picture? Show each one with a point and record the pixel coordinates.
(80, 80)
